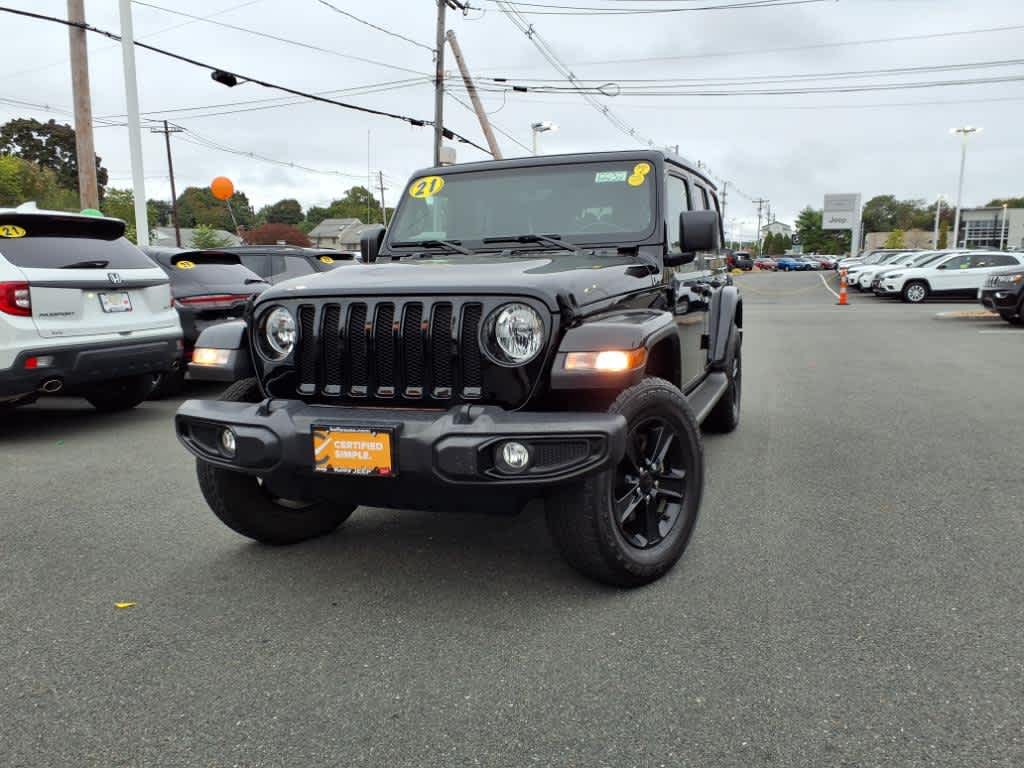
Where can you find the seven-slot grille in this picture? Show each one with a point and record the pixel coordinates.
(390, 350)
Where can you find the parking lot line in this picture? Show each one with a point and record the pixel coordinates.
(827, 286)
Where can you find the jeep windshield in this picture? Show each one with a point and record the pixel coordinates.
(584, 203)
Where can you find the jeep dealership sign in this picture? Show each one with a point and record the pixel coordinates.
(841, 212)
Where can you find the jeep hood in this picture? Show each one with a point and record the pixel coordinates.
(587, 277)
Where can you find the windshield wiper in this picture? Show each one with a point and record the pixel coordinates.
(91, 264)
(555, 240)
(451, 245)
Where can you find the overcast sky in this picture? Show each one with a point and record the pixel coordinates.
(791, 149)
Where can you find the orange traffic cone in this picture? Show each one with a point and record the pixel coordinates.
(842, 288)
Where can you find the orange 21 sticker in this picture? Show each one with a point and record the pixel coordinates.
(426, 187)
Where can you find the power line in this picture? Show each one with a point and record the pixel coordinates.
(273, 86)
(370, 24)
(546, 9)
(494, 125)
(63, 62)
(277, 38)
(655, 82)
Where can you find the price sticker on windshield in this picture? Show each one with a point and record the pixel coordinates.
(11, 230)
(185, 264)
(426, 187)
(639, 175)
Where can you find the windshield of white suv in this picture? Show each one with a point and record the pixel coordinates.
(584, 202)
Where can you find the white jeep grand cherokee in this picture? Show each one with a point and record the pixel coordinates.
(82, 311)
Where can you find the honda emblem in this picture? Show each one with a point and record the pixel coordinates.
(115, 278)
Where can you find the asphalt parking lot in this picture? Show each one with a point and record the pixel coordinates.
(851, 596)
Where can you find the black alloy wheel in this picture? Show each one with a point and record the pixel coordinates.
(650, 484)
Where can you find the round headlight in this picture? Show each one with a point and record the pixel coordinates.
(514, 334)
(279, 332)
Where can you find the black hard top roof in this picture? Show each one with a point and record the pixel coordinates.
(656, 156)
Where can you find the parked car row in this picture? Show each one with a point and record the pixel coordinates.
(995, 278)
(795, 263)
(85, 312)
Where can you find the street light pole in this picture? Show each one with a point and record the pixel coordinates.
(542, 127)
(964, 132)
(131, 92)
(938, 214)
(1002, 229)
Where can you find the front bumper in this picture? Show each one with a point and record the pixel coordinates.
(1004, 298)
(81, 366)
(432, 450)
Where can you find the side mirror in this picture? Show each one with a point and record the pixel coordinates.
(698, 231)
(370, 242)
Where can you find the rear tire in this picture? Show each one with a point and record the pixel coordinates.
(245, 506)
(915, 292)
(1013, 318)
(619, 527)
(121, 394)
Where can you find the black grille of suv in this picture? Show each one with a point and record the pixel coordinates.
(393, 349)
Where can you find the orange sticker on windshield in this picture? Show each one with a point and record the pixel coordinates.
(11, 230)
(426, 187)
(640, 171)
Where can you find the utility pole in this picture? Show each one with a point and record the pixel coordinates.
(725, 193)
(760, 205)
(167, 130)
(442, 6)
(383, 208)
(131, 93)
(85, 150)
(938, 214)
(485, 124)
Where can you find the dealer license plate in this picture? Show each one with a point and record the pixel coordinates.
(116, 302)
(348, 451)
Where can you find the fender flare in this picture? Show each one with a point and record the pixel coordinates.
(725, 312)
(624, 330)
(232, 336)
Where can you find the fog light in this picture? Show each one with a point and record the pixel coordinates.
(513, 457)
(210, 356)
(227, 441)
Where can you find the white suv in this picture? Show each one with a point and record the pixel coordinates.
(82, 311)
(958, 274)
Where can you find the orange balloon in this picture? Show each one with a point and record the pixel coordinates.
(222, 188)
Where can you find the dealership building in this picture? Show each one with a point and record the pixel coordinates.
(988, 228)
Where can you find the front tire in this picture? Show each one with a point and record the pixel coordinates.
(1013, 318)
(914, 292)
(121, 394)
(630, 524)
(247, 507)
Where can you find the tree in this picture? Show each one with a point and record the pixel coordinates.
(22, 181)
(48, 145)
(787, 244)
(358, 203)
(814, 239)
(1009, 202)
(198, 206)
(271, 234)
(943, 236)
(120, 204)
(162, 208)
(287, 211)
(895, 239)
(205, 237)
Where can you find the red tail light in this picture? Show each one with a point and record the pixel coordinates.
(15, 299)
(212, 301)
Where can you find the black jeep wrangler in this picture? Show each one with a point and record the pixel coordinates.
(546, 327)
